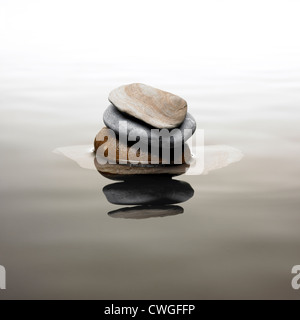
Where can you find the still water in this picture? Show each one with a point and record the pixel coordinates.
(233, 233)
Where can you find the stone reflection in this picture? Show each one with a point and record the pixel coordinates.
(148, 191)
(144, 212)
(151, 195)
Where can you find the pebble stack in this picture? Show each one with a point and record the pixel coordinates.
(143, 108)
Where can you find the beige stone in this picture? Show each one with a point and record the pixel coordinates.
(158, 108)
(123, 172)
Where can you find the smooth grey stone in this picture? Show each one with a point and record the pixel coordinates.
(144, 212)
(148, 191)
(112, 117)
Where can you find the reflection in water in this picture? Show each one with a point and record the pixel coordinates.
(155, 191)
(150, 185)
(144, 212)
(151, 195)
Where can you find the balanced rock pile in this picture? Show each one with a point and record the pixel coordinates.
(140, 125)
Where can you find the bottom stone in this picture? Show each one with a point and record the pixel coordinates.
(123, 172)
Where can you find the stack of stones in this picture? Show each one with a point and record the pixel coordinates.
(135, 110)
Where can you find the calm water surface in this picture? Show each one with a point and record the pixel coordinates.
(237, 237)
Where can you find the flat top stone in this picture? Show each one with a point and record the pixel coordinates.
(156, 107)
